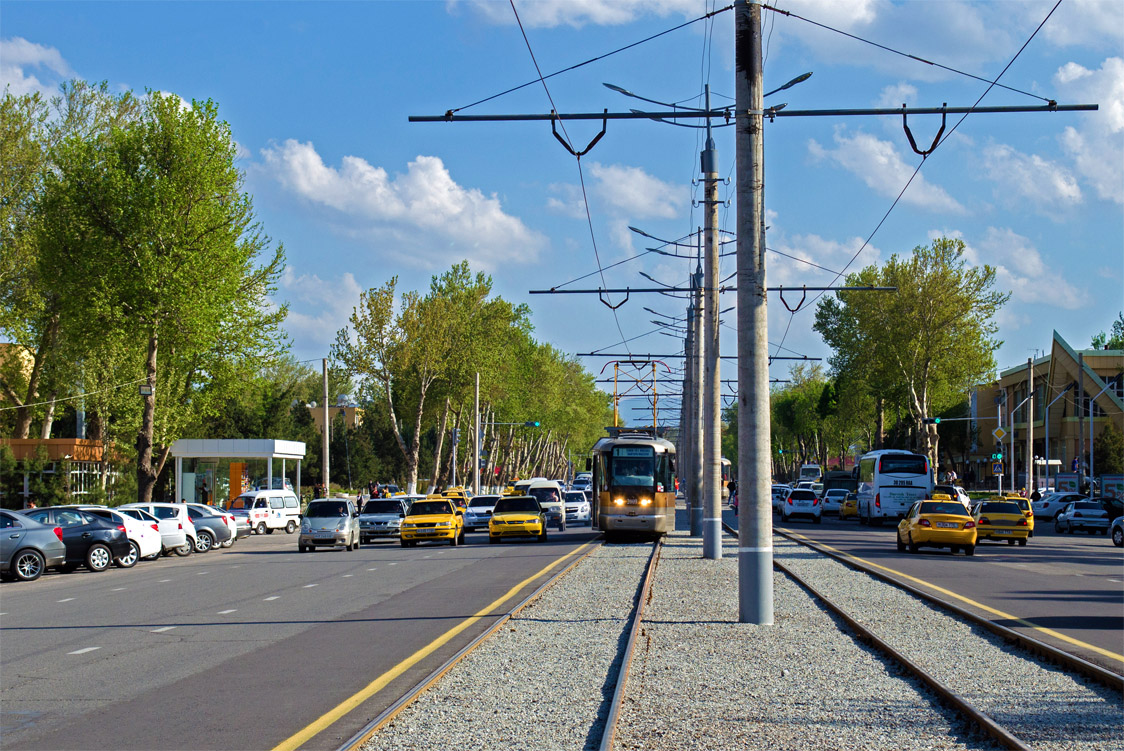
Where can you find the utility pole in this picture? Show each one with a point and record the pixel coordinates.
(327, 429)
(1081, 422)
(476, 443)
(696, 425)
(755, 523)
(686, 418)
(712, 383)
(1030, 484)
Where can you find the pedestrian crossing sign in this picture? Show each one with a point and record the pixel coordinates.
(997, 468)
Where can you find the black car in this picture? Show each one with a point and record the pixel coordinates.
(1114, 507)
(90, 541)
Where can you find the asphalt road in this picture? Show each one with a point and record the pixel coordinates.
(1071, 584)
(244, 647)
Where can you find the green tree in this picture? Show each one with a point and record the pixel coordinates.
(1114, 340)
(929, 341)
(159, 252)
(1108, 451)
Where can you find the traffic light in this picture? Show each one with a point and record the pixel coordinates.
(531, 424)
(931, 420)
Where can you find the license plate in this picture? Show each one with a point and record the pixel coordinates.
(1002, 531)
(801, 503)
(324, 535)
(428, 532)
(948, 525)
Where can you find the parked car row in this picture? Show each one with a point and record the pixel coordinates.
(93, 536)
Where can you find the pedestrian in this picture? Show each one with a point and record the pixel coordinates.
(733, 495)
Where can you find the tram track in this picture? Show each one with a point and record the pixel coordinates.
(973, 715)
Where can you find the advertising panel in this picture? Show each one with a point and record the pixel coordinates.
(1066, 482)
(1112, 486)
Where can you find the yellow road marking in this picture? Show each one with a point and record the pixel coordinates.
(973, 603)
(325, 720)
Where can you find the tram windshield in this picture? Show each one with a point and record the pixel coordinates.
(633, 466)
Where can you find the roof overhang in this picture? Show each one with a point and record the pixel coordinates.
(237, 448)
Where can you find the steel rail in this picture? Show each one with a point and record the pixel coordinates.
(989, 726)
(644, 596)
(1063, 659)
(387, 715)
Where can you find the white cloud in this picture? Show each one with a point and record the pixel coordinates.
(578, 13)
(1019, 269)
(833, 256)
(1083, 22)
(318, 308)
(1018, 177)
(897, 94)
(568, 201)
(17, 55)
(635, 193)
(877, 164)
(422, 217)
(1096, 144)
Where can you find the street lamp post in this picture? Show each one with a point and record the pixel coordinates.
(1046, 420)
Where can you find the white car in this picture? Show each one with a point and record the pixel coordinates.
(479, 512)
(144, 536)
(833, 500)
(228, 518)
(577, 507)
(955, 492)
(802, 502)
(780, 492)
(1052, 504)
(177, 533)
(549, 495)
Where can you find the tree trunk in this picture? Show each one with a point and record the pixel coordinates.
(879, 423)
(146, 473)
(49, 417)
(440, 446)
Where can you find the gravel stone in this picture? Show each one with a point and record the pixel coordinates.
(1039, 703)
(542, 682)
(702, 680)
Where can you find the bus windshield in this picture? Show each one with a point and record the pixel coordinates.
(633, 466)
(903, 464)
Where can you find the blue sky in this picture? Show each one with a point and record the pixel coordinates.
(318, 96)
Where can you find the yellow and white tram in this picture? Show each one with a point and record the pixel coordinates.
(633, 483)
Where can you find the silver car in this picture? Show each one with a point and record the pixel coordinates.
(28, 547)
(1087, 516)
(381, 519)
(329, 522)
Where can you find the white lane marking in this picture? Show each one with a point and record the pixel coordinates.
(275, 597)
(306, 586)
(162, 581)
(370, 569)
(118, 589)
(68, 599)
(1118, 581)
(162, 629)
(347, 575)
(201, 573)
(426, 556)
(83, 651)
(226, 612)
(394, 564)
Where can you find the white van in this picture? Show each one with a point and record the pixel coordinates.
(550, 497)
(267, 510)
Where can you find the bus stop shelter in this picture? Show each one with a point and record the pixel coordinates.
(238, 448)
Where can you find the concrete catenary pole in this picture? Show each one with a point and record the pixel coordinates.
(755, 522)
(696, 402)
(1030, 484)
(326, 432)
(685, 462)
(1081, 422)
(476, 436)
(712, 377)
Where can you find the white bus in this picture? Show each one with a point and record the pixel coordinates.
(809, 473)
(889, 483)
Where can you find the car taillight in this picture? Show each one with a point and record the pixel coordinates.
(789, 501)
(924, 523)
(878, 500)
(969, 525)
(815, 501)
(58, 533)
(1022, 523)
(121, 528)
(181, 525)
(155, 527)
(984, 520)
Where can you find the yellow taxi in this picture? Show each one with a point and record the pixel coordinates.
(937, 523)
(1027, 509)
(1001, 520)
(849, 509)
(517, 516)
(433, 519)
(509, 489)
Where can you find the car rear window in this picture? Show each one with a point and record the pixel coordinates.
(1000, 507)
(944, 507)
(803, 495)
(1088, 506)
(326, 508)
(578, 497)
(382, 507)
(522, 504)
(903, 464)
(291, 502)
(483, 500)
(242, 503)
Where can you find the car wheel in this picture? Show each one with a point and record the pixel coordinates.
(913, 547)
(28, 565)
(1023, 541)
(260, 529)
(186, 549)
(1010, 542)
(227, 543)
(98, 557)
(492, 539)
(901, 545)
(204, 542)
(130, 560)
(290, 527)
(819, 519)
(404, 543)
(1118, 537)
(969, 550)
(1069, 529)
(269, 531)
(302, 549)
(954, 549)
(1057, 528)
(454, 541)
(155, 555)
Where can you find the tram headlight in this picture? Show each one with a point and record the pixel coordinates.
(618, 501)
(645, 501)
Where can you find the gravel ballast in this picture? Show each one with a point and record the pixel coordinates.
(545, 679)
(701, 680)
(1040, 704)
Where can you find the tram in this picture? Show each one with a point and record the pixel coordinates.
(633, 483)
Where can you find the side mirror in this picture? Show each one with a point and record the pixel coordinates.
(588, 465)
(401, 516)
(301, 517)
(460, 513)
